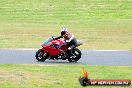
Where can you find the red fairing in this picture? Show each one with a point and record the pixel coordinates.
(57, 42)
(53, 51)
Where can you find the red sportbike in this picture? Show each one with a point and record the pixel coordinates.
(51, 51)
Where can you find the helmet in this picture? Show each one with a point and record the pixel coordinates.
(63, 31)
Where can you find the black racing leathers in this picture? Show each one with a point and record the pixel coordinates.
(70, 41)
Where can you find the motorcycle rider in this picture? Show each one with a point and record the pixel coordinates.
(69, 39)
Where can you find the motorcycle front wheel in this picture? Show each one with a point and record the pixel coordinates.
(41, 56)
(75, 55)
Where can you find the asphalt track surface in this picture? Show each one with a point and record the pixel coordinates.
(99, 58)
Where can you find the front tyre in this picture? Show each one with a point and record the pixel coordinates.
(41, 56)
(75, 55)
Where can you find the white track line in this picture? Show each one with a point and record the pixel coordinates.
(108, 50)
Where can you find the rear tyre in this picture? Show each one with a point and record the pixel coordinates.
(75, 55)
(41, 56)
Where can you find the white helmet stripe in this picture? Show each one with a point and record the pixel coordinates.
(64, 29)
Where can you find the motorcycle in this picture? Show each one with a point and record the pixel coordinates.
(51, 51)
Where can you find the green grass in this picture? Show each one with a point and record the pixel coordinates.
(57, 76)
(101, 24)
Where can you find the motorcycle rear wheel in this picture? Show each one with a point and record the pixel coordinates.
(41, 56)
